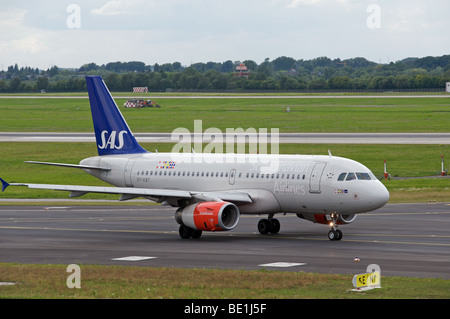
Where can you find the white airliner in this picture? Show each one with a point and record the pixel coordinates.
(210, 193)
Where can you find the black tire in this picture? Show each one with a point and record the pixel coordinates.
(264, 226)
(332, 235)
(196, 234)
(185, 232)
(275, 226)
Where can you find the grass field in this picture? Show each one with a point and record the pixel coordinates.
(49, 281)
(306, 115)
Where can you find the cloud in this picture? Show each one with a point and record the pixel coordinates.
(29, 44)
(121, 7)
(11, 18)
(295, 3)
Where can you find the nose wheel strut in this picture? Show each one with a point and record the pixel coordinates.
(334, 233)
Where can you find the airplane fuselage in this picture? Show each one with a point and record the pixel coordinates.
(301, 184)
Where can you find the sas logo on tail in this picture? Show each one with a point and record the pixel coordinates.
(110, 142)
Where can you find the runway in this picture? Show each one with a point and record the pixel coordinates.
(409, 240)
(294, 138)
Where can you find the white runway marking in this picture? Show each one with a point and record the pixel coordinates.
(282, 264)
(133, 258)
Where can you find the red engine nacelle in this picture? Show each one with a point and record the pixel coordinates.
(209, 216)
(326, 219)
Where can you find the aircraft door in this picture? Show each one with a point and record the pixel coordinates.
(232, 176)
(316, 176)
(127, 172)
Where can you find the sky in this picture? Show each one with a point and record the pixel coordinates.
(71, 33)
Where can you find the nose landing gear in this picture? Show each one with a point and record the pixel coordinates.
(334, 233)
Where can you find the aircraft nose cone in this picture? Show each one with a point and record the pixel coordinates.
(380, 196)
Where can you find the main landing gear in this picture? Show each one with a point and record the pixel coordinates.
(187, 232)
(334, 233)
(270, 225)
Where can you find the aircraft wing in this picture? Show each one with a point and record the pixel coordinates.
(133, 192)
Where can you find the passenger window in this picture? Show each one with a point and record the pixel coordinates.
(350, 177)
(342, 176)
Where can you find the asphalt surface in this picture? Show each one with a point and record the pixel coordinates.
(409, 240)
(295, 138)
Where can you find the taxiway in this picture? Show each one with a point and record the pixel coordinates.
(408, 240)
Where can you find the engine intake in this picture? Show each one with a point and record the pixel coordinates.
(209, 216)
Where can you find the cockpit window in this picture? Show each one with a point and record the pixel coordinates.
(358, 175)
(363, 176)
(350, 177)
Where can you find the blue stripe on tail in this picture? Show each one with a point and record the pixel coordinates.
(111, 131)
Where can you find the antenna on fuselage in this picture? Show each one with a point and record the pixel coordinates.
(329, 153)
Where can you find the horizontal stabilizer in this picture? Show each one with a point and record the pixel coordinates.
(69, 165)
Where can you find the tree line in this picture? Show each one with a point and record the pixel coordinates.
(280, 74)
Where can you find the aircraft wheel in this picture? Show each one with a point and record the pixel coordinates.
(264, 226)
(335, 234)
(274, 226)
(185, 232)
(196, 234)
(332, 235)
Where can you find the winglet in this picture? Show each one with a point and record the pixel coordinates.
(4, 184)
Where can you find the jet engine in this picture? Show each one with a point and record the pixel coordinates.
(326, 219)
(208, 216)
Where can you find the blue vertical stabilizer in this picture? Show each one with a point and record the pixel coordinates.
(111, 131)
